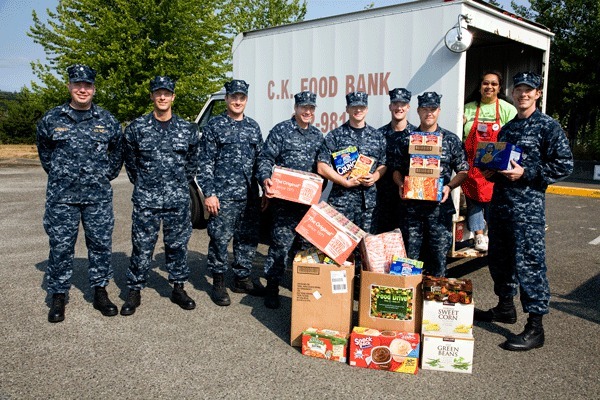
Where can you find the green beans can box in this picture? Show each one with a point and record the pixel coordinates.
(449, 354)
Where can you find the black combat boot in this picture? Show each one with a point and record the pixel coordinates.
(103, 304)
(219, 293)
(504, 312)
(133, 301)
(531, 338)
(248, 285)
(181, 298)
(272, 294)
(57, 308)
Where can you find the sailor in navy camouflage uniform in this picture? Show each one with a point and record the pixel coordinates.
(161, 159)
(80, 147)
(517, 252)
(355, 198)
(389, 207)
(427, 225)
(229, 148)
(293, 143)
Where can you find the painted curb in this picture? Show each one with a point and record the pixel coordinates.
(574, 191)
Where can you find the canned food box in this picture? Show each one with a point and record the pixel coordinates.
(425, 143)
(325, 343)
(447, 354)
(447, 319)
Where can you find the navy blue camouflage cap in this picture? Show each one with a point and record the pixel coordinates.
(305, 98)
(236, 86)
(357, 99)
(430, 99)
(81, 73)
(400, 95)
(527, 78)
(162, 82)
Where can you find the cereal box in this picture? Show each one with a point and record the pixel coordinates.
(423, 188)
(425, 165)
(425, 143)
(362, 166)
(386, 350)
(297, 186)
(344, 160)
(447, 319)
(325, 343)
(447, 354)
(496, 155)
(330, 231)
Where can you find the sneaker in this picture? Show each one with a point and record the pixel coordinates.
(481, 243)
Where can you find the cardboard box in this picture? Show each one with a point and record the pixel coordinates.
(427, 165)
(297, 186)
(447, 354)
(496, 155)
(344, 160)
(390, 302)
(329, 231)
(321, 296)
(325, 343)
(447, 319)
(453, 290)
(362, 166)
(425, 143)
(384, 350)
(422, 188)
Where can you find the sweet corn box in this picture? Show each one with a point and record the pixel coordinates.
(297, 186)
(422, 188)
(447, 354)
(447, 319)
(425, 143)
(325, 343)
(427, 165)
(496, 155)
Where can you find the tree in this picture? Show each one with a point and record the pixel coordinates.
(574, 77)
(18, 117)
(130, 41)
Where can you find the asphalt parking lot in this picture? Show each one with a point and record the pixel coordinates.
(243, 351)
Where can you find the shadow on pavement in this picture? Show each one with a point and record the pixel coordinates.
(581, 302)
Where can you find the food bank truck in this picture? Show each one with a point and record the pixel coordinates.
(427, 45)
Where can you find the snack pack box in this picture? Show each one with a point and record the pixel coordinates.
(447, 354)
(427, 165)
(330, 231)
(297, 186)
(405, 266)
(362, 166)
(447, 319)
(344, 160)
(496, 155)
(425, 143)
(423, 188)
(325, 343)
(386, 350)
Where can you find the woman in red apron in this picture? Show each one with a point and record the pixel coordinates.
(483, 119)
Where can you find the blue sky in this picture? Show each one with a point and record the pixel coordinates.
(17, 50)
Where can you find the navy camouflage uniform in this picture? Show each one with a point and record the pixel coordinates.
(427, 225)
(517, 251)
(81, 151)
(228, 152)
(160, 162)
(292, 147)
(357, 203)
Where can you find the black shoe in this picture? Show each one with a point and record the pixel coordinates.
(249, 286)
(272, 300)
(504, 312)
(103, 304)
(133, 301)
(57, 308)
(531, 338)
(181, 298)
(219, 294)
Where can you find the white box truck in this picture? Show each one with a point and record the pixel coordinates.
(420, 45)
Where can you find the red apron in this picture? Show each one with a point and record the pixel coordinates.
(476, 187)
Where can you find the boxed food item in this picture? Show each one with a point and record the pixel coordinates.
(423, 188)
(385, 350)
(428, 165)
(297, 186)
(322, 295)
(328, 230)
(425, 143)
(406, 266)
(344, 160)
(362, 166)
(378, 250)
(447, 354)
(390, 302)
(325, 343)
(496, 155)
(447, 319)
(452, 290)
